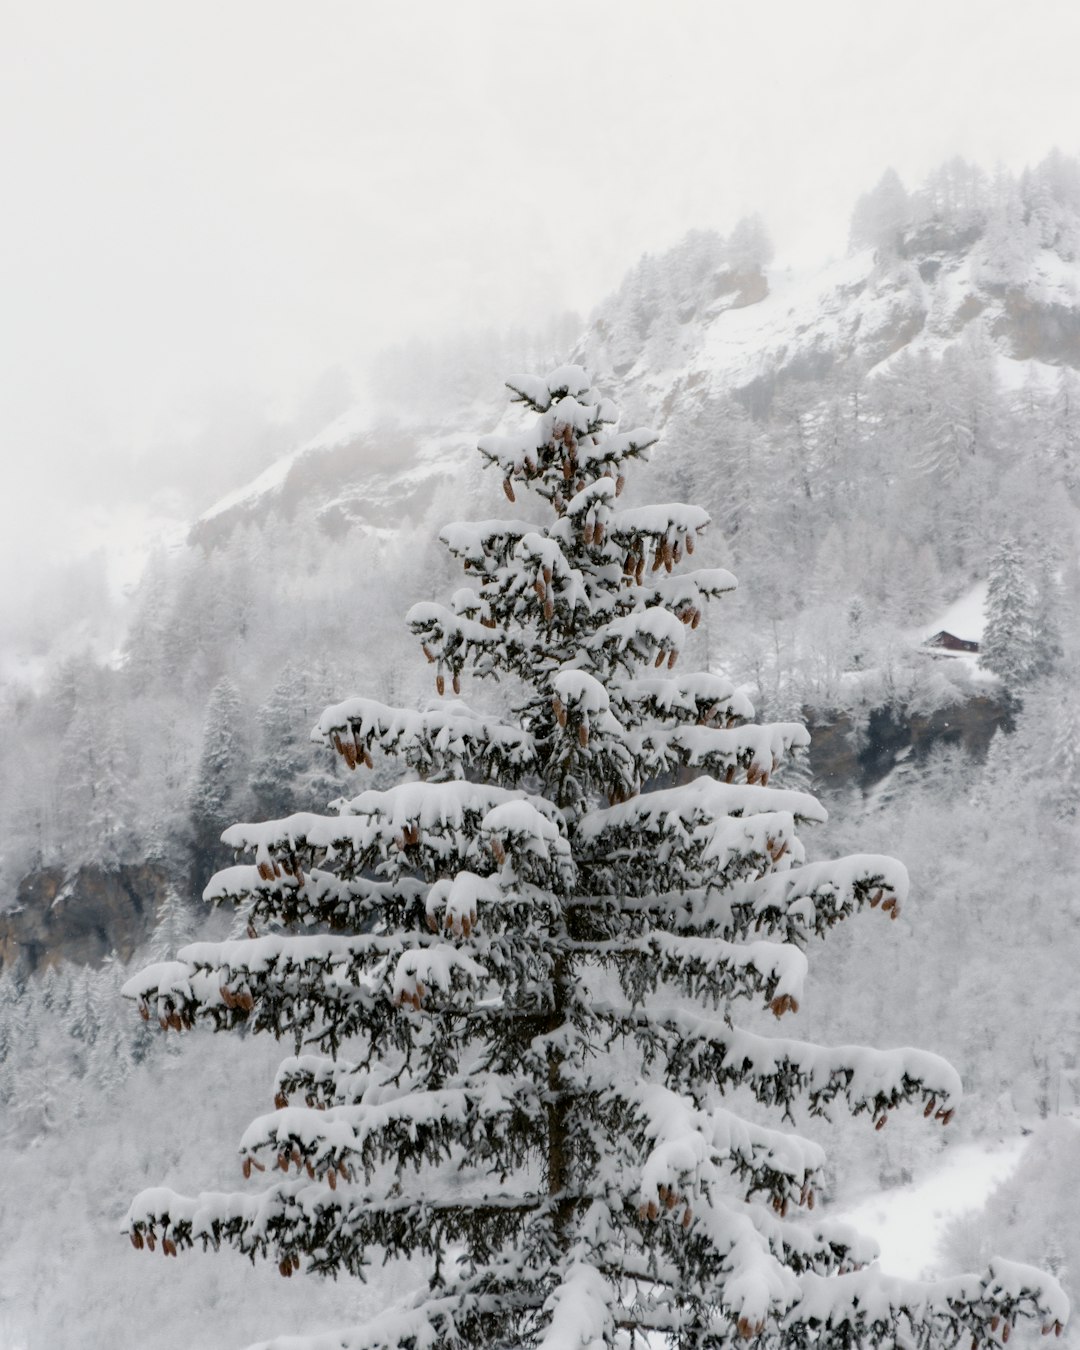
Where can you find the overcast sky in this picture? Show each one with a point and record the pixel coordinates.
(208, 203)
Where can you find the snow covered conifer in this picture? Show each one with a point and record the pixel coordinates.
(214, 782)
(512, 980)
(1010, 645)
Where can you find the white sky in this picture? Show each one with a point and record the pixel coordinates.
(207, 200)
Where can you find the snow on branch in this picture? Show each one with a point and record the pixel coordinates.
(756, 750)
(442, 740)
(703, 799)
(486, 544)
(707, 969)
(695, 697)
(735, 1259)
(807, 899)
(320, 1081)
(683, 1137)
(449, 639)
(700, 832)
(568, 444)
(791, 905)
(539, 391)
(497, 1121)
(580, 1311)
(684, 589)
(781, 1072)
(655, 537)
(317, 897)
(644, 635)
(866, 1308)
(436, 828)
(317, 985)
(334, 1229)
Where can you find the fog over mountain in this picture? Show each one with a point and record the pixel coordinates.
(204, 235)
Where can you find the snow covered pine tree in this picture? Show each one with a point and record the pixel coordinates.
(1010, 645)
(533, 984)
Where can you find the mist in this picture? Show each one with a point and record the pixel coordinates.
(218, 217)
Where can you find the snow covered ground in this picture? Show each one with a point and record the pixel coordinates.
(908, 1221)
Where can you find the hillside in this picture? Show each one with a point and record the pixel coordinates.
(710, 322)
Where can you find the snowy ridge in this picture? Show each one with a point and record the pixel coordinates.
(344, 429)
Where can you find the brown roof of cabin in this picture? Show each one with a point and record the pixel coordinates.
(950, 642)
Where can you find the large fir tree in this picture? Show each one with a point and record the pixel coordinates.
(511, 980)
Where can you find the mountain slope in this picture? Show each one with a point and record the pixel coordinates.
(696, 324)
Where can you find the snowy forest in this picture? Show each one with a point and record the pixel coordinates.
(887, 449)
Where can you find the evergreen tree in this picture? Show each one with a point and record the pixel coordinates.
(749, 248)
(112, 1056)
(1009, 645)
(283, 766)
(217, 774)
(1045, 625)
(515, 978)
(96, 807)
(1064, 756)
(1063, 433)
(174, 927)
(882, 215)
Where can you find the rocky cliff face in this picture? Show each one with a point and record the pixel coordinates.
(80, 918)
(841, 756)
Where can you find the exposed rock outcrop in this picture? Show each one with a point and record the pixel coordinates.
(80, 917)
(840, 757)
